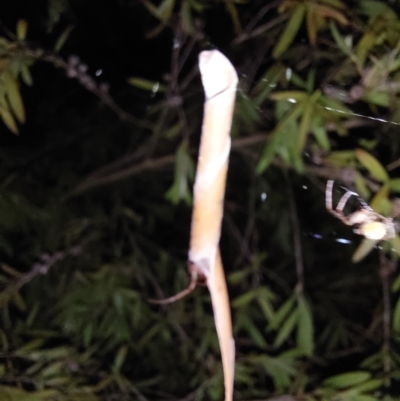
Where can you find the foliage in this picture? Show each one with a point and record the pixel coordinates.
(96, 192)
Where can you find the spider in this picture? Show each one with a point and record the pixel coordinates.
(365, 221)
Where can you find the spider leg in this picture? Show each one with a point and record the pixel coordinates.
(344, 199)
(328, 195)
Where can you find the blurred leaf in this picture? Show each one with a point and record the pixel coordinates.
(22, 28)
(394, 184)
(14, 97)
(396, 317)
(291, 29)
(145, 84)
(62, 39)
(120, 359)
(287, 328)
(232, 10)
(164, 10)
(267, 83)
(361, 186)
(244, 299)
(340, 42)
(282, 312)
(184, 171)
(55, 9)
(26, 75)
(345, 380)
(377, 97)
(365, 247)
(245, 323)
(305, 327)
(237, 277)
(8, 119)
(290, 96)
(10, 270)
(341, 158)
(304, 126)
(395, 243)
(380, 202)
(270, 150)
(396, 283)
(320, 135)
(187, 19)
(281, 368)
(372, 165)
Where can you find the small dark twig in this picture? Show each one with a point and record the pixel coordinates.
(180, 295)
(41, 267)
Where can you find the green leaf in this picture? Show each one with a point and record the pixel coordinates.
(14, 97)
(22, 28)
(8, 119)
(345, 380)
(270, 149)
(290, 96)
(396, 283)
(187, 19)
(396, 317)
(373, 384)
(361, 186)
(244, 299)
(62, 39)
(287, 328)
(394, 184)
(374, 8)
(340, 42)
(184, 171)
(282, 312)
(364, 45)
(341, 158)
(253, 332)
(292, 27)
(145, 84)
(232, 10)
(238, 276)
(380, 202)
(304, 127)
(25, 74)
(266, 307)
(377, 97)
(120, 359)
(305, 327)
(365, 247)
(321, 136)
(372, 165)
(280, 368)
(266, 83)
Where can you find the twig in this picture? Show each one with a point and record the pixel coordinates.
(192, 285)
(42, 267)
(150, 164)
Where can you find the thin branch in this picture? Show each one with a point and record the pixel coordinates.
(190, 288)
(42, 267)
(345, 175)
(260, 30)
(150, 164)
(75, 69)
